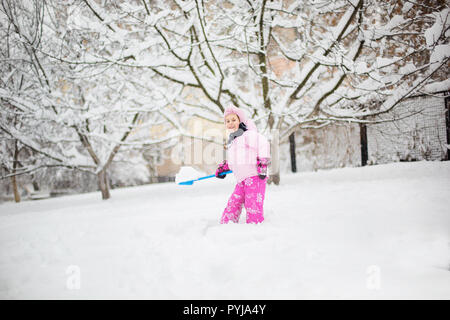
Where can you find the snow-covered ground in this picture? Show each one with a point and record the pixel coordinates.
(370, 233)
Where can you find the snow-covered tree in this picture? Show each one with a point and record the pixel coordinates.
(343, 60)
(72, 114)
(291, 64)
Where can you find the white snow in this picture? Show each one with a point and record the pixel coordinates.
(187, 173)
(440, 53)
(441, 23)
(438, 86)
(378, 232)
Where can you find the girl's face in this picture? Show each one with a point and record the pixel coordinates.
(232, 122)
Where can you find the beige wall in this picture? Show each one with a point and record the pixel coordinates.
(202, 155)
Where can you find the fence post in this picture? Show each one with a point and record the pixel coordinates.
(447, 121)
(364, 149)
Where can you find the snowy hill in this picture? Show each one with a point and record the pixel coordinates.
(373, 232)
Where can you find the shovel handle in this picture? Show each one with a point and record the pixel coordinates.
(190, 182)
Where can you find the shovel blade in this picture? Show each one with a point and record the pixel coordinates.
(186, 183)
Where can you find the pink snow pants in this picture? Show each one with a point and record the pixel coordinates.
(250, 193)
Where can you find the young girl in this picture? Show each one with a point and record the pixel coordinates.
(248, 155)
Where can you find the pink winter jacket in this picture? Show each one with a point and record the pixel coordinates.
(243, 150)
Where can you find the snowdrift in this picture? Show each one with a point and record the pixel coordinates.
(378, 232)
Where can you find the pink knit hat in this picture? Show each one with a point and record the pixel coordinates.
(242, 117)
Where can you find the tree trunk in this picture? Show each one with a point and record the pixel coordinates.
(275, 158)
(103, 184)
(35, 185)
(364, 149)
(16, 191)
(292, 151)
(13, 178)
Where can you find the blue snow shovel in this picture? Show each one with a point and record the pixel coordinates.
(191, 182)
